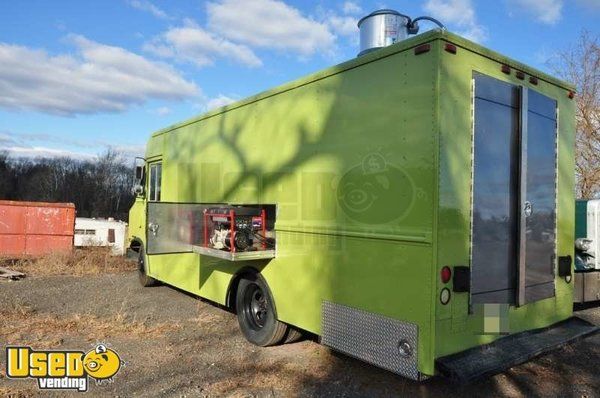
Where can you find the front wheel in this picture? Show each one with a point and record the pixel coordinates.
(256, 313)
(143, 277)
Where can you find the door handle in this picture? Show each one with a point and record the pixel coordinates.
(153, 228)
(527, 208)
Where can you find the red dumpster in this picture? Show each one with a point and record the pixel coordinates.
(35, 228)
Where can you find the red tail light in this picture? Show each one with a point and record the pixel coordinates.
(446, 274)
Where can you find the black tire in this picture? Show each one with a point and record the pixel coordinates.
(256, 312)
(145, 280)
(292, 335)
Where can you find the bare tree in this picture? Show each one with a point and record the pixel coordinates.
(6, 184)
(580, 65)
(99, 187)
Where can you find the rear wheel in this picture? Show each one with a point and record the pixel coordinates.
(292, 335)
(145, 280)
(256, 313)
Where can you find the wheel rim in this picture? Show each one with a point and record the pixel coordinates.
(256, 306)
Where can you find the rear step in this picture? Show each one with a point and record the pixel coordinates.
(489, 359)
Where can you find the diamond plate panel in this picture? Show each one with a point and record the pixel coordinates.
(381, 341)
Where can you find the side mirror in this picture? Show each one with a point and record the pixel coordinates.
(138, 189)
(138, 182)
(139, 173)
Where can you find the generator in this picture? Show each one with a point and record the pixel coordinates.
(236, 229)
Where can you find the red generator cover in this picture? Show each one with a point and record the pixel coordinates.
(35, 228)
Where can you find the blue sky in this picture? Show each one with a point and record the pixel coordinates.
(78, 76)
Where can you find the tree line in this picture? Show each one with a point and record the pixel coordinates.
(99, 188)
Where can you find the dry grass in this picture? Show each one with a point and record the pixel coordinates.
(23, 325)
(207, 318)
(24, 392)
(81, 261)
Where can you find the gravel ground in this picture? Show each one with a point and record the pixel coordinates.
(177, 345)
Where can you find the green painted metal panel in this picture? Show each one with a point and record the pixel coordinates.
(392, 126)
(581, 219)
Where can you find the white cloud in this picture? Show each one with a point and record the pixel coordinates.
(476, 33)
(44, 152)
(219, 101)
(545, 11)
(269, 24)
(25, 139)
(343, 25)
(191, 43)
(53, 145)
(458, 13)
(99, 78)
(351, 8)
(163, 111)
(147, 6)
(128, 151)
(6, 140)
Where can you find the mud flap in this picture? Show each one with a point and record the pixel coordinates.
(493, 358)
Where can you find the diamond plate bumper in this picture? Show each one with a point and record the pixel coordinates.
(385, 342)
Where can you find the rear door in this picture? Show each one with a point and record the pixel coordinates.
(514, 193)
(538, 204)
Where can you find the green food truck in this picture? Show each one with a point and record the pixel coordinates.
(412, 207)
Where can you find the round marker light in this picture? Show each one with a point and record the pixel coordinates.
(446, 274)
(445, 296)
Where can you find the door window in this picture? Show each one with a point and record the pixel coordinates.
(155, 182)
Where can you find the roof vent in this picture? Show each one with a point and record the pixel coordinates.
(382, 28)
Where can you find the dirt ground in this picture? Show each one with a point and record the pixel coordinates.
(174, 344)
